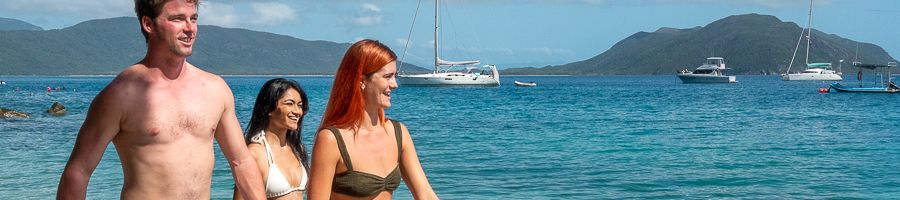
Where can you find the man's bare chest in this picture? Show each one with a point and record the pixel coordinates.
(162, 118)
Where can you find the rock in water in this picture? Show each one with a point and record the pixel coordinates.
(4, 113)
(57, 109)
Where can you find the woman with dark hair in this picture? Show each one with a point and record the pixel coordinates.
(358, 152)
(273, 137)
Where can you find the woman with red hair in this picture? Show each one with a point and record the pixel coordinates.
(358, 152)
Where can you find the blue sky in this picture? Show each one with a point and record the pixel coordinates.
(510, 33)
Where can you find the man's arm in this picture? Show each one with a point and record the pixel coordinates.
(231, 141)
(99, 128)
(259, 153)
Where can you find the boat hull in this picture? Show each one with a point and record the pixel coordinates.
(448, 79)
(811, 77)
(525, 84)
(694, 78)
(842, 88)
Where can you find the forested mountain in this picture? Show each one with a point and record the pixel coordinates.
(106, 46)
(750, 44)
(7, 24)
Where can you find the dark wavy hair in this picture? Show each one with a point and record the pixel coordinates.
(266, 102)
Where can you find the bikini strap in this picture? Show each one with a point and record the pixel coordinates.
(342, 148)
(399, 134)
(261, 138)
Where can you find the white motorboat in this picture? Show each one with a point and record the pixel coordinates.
(525, 84)
(442, 74)
(813, 71)
(711, 72)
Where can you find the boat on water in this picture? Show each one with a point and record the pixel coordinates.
(442, 74)
(525, 84)
(880, 85)
(813, 71)
(713, 71)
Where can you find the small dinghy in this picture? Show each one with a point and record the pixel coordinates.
(525, 84)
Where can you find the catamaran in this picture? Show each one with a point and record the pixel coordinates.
(442, 76)
(813, 71)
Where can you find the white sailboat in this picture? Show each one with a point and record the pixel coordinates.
(442, 76)
(813, 71)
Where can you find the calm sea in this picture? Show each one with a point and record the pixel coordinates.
(647, 137)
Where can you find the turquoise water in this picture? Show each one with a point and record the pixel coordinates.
(647, 137)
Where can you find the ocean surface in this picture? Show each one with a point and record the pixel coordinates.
(616, 137)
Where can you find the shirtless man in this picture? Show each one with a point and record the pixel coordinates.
(162, 115)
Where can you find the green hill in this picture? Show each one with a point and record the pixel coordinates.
(750, 44)
(7, 24)
(106, 46)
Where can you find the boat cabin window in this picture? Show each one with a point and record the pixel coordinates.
(703, 71)
(811, 72)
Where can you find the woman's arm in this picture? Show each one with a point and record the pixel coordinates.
(325, 157)
(413, 174)
(259, 154)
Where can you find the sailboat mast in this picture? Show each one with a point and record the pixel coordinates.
(437, 15)
(809, 31)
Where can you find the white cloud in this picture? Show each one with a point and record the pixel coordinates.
(367, 20)
(272, 13)
(67, 8)
(400, 41)
(371, 7)
(217, 14)
(370, 15)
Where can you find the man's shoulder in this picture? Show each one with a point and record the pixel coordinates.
(128, 78)
(207, 77)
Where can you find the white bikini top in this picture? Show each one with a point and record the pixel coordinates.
(276, 184)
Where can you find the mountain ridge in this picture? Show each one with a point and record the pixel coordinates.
(750, 44)
(9, 24)
(106, 46)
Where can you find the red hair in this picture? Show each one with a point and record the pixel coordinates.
(346, 106)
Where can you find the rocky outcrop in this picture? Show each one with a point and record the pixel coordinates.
(57, 109)
(5, 113)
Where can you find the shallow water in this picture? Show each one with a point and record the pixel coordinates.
(617, 137)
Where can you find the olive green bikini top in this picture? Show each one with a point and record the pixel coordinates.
(361, 184)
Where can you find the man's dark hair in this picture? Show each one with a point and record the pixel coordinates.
(151, 9)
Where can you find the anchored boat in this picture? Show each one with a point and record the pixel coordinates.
(442, 76)
(881, 84)
(813, 71)
(711, 72)
(525, 84)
